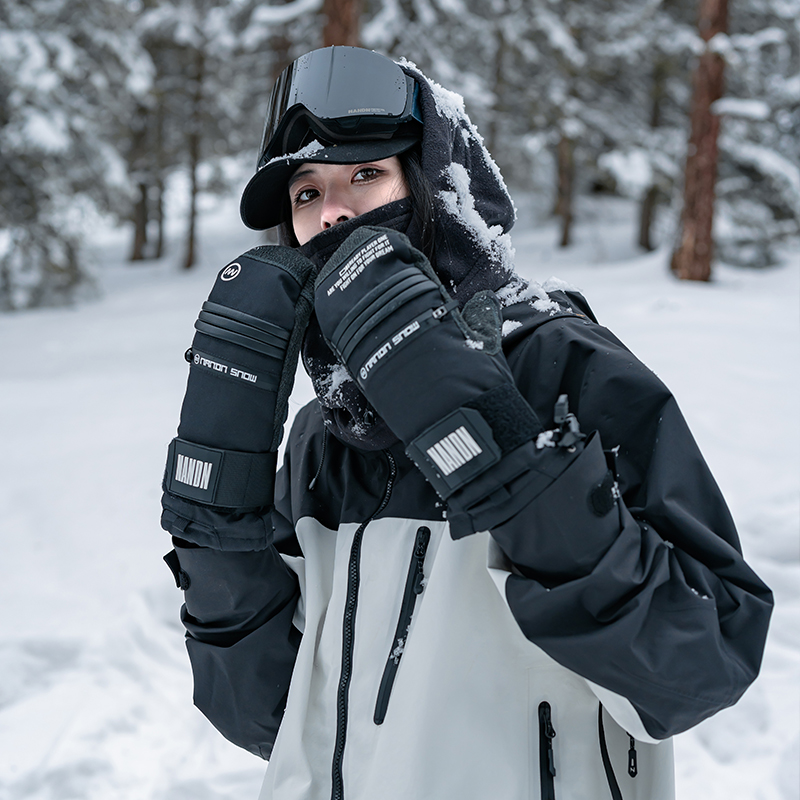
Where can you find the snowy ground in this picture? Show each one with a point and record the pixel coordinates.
(95, 692)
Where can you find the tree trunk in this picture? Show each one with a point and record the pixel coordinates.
(650, 198)
(341, 22)
(194, 160)
(646, 214)
(692, 258)
(159, 219)
(140, 216)
(138, 169)
(566, 170)
(499, 92)
(193, 143)
(161, 160)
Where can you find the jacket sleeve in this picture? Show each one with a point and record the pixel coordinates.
(634, 577)
(238, 614)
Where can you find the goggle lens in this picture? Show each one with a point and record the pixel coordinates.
(350, 93)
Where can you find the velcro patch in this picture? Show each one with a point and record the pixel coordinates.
(455, 450)
(193, 471)
(222, 478)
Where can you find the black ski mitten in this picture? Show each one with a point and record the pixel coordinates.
(242, 366)
(439, 379)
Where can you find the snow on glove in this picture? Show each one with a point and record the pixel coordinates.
(243, 360)
(437, 376)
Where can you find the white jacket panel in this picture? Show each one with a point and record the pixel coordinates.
(464, 705)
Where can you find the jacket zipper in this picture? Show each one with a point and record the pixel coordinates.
(633, 767)
(313, 482)
(348, 636)
(547, 764)
(415, 583)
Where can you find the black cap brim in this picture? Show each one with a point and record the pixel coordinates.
(262, 198)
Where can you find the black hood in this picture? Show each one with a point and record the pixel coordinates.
(474, 211)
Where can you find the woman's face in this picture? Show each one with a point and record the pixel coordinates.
(323, 195)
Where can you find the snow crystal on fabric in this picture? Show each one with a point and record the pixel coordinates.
(471, 170)
(553, 284)
(545, 439)
(398, 651)
(331, 385)
(304, 152)
(460, 203)
(518, 290)
(510, 325)
(451, 105)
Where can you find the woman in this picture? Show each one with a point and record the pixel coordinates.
(487, 568)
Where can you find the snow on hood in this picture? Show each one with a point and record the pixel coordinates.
(474, 209)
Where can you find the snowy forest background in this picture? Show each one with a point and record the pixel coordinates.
(127, 130)
(103, 102)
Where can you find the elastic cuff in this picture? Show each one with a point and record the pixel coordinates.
(214, 530)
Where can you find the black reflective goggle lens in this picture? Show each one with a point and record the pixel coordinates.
(350, 93)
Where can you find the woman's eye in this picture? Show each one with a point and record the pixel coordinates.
(366, 174)
(305, 196)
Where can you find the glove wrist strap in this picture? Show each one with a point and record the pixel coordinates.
(468, 441)
(222, 478)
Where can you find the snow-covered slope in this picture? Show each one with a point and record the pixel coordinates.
(95, 690)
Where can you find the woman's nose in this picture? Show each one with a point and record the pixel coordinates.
(335, 209)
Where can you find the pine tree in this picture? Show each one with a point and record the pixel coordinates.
(215, 63)
(66, 69)
(758, 192)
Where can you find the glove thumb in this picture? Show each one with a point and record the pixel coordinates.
(483, 320)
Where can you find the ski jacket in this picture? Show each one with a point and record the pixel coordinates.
(368, 654)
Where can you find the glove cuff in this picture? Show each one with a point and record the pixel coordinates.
(220, 478)
(473, 438)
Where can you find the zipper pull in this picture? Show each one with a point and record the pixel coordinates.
(633, 768)
(546, 725)
(421, 547)
(549, 730)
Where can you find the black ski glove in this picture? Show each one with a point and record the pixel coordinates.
(438, 378)
(243, 360)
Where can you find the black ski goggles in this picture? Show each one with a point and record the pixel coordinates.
(339, 94)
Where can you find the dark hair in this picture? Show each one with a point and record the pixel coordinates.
(423, 219)
(423, 208)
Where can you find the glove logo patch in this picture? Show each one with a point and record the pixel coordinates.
(231, 271)
(354, 266)
(192, 471)
(454, 450)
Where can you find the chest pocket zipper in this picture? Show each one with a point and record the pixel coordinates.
(415, 584)
(633, 767)
(547, 763)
